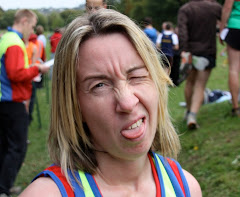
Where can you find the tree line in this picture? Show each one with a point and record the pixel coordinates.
(50, 21)
(158, 10)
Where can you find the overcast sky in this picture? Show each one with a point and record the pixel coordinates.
(35, 4)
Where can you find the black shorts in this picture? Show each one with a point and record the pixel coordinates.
(211, 59)
(233, 38)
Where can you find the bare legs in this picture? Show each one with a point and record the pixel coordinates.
(194, 89)
(194, 92)
(233, 76)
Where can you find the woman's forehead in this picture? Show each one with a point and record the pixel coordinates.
(108, 52)
(101, 46)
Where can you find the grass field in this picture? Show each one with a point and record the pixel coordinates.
(211, 154)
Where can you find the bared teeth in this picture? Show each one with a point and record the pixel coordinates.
(136, 124)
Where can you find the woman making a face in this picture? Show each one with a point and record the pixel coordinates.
(109, 116)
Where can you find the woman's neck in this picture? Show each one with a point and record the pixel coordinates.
(117, 174)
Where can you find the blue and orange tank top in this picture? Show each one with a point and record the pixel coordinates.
(167, 173)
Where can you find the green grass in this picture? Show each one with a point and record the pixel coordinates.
(37, 155)
(207, 153)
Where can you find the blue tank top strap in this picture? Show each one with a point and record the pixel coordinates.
(91, 189)
(51, 174)
(93, 184)
(159, 175)
(175, 183)
(185, 184)
(78, 191)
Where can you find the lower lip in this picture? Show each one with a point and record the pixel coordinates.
(135, 134)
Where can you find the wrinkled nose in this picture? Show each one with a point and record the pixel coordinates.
(126, 99)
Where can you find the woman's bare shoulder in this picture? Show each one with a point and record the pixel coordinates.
(193, 184)
(43, 186)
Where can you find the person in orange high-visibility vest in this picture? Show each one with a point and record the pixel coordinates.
(40, 48)
(33, 55)
(31, 52)
(41, 55)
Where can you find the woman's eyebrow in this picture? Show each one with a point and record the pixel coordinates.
(135, 68)
(91, 77)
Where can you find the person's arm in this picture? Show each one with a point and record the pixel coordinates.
(175, 41)
(226, 10)
(158, 41)
(176, 47)
(43, 186)
(193, 184)
(14, 62)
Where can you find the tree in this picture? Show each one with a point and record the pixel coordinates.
(55, 21)
(159, 11)
(69, 14)
(42, 20)
(7, 19)
(1, 12)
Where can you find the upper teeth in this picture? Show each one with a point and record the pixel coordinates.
(137, 124)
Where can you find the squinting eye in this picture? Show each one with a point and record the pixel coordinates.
(101, 88)
(99, 85)
(138, 77)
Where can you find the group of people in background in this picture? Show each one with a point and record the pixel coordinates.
(16, 78)
(197, 21)
(167, 43)
(36, 50)
(195, 37)
(24, 54)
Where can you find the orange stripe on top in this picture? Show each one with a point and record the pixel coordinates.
(57, 171)
(177, 174)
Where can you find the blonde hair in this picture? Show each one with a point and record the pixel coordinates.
(24, 13)
(69, 143)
